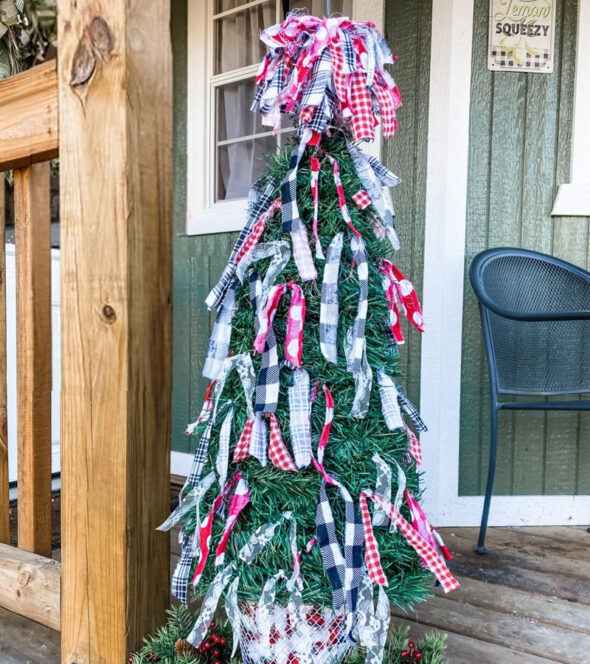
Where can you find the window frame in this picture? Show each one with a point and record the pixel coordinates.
(205, 216)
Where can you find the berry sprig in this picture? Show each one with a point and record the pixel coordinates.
(213, 648)
(411, 654)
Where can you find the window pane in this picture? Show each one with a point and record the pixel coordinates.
(237, 41)
(318, 7)
(234, 117)
(239, 164)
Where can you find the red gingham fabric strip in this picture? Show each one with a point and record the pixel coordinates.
(315, 172)
(362, 199)
(386, 106)
(429, 555)
(363, 120)
(242, 448)
(277, 450)
(341, 198)
(415, 447)
(372, 557)
(254, 237)
(419, 520)
(339, 75)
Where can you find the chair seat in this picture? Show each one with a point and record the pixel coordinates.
(544, 405)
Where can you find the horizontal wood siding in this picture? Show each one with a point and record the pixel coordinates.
(520, 146)
(407, 29)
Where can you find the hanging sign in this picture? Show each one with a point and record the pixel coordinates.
(522, 35)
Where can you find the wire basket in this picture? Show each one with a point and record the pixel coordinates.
(293, 635)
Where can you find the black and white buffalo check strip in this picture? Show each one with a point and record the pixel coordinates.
(221, 336)
(329, 302)
(300, 418)
(259, 202)
(536, 61)
(344, 571)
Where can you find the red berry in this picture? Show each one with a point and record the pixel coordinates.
(216, 662)
(212, 624)
(206, 645)
(411, 645)
(217, 653)
(222, 641)
(130, 660)
(405, 653)
(418, 656)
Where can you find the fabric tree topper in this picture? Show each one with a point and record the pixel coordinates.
(298, 453)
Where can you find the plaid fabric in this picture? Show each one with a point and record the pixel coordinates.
(315, 172)
(359, 98)
(338, 73)
(420, 521)
(341, 198)
(415, 447)
(429, 556)
(320, 81)
(343, 571)
(267, 385)
(221, 336)
(300, 418)
(531, 61)
(359, 253)
(386, 109)
(329, 301)
(389, 401)
(205, 413)
(323, 113)
(411, 410)
(362, 199)
(258, 444)
(252, 239)
(292, 222)
(277, 450)
(179, 584)
(200, 457)
(259, 201)
(242, 447)
(222, 460)
(372, 557)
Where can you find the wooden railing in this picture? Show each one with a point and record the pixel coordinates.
(29, 579)
(109, 111)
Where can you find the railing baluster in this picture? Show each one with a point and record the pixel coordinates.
(33, 294)
(4, 515)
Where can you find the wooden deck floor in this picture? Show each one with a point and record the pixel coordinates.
(526, 602)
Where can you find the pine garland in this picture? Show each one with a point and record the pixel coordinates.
(160, 648)
(352, 442)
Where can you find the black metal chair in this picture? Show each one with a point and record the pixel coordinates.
(535, 314)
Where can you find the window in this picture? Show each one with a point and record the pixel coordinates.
(226, 141)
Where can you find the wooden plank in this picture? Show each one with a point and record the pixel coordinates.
(30, 585)
(115, 116)
(33, 295)
(4, 503)
(548, 610)
(467, 650)
(28, 117)
(538, 639)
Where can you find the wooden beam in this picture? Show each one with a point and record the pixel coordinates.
(33, 376)
(30, 585)
(4, 502)
(28, 117)
(115, 169)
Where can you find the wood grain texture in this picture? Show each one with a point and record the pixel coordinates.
(33, 306)
(4, 479)
(30, 585)
(408, 31)
(28, 117)
(520, 148)
(115, 171)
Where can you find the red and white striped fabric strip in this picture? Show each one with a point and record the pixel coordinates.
(359, 98)
(429, 555)
(254, 237)
(295, 321)
(341, 198)
(372, 557)
(277, 450)
(362, 199)
(315, 173)
(239, 500)
(242, 447)
(414, 444)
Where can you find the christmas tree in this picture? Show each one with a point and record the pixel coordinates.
(300, 512)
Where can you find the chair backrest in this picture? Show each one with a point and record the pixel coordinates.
(533, 357)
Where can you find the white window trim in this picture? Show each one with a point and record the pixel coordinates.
(573, 198)
(204, 216)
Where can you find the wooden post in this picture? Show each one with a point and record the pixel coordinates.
(4, 507)
(115, 152)
(33, 377)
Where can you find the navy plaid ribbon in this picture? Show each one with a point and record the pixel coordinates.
(343, 571)
(221, 336)
(259, 202)
(411, 411)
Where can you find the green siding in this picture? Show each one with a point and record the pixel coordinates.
(520, 138)
(408, 31)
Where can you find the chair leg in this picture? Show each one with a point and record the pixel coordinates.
(481, 549)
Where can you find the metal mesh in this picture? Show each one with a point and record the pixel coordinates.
(539, 357)
(290, 635)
